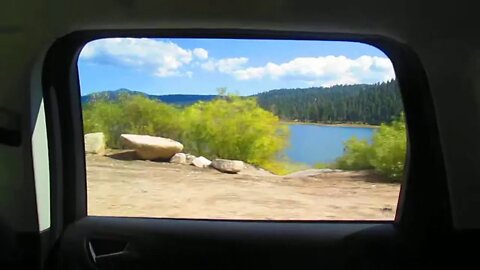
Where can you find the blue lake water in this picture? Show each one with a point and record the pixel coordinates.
(311, 144)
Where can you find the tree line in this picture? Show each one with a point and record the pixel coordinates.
(361, 103)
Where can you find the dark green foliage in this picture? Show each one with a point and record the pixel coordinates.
(369, 104)
(386, 153)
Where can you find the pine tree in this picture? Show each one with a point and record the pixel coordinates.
(371, 104)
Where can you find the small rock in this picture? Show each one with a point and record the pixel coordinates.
(179, 158)
(189, 159)
(228, 166)
(150, 147)
(95, 143)
(201, 162)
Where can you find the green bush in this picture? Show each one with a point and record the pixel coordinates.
(104, 116)
(389, 149)
(357, 154)
(228, 127)
(386, 153)
(233, 128)
(134, 114)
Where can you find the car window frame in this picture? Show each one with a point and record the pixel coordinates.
(416, 210)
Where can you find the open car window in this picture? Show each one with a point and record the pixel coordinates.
(241, 129)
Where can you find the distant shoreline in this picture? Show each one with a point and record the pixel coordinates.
(352, 125)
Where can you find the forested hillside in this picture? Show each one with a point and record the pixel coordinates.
(361, 103)
(177, 99)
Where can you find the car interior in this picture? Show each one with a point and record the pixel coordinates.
(435, 50)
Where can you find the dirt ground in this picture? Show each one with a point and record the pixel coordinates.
(137, 188)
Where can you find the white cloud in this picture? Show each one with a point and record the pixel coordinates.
(165, 58)
(88, 51)
(161, 58)
(226, 65)
(323, 70)
(200, 53)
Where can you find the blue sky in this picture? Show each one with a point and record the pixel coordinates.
(200, 66)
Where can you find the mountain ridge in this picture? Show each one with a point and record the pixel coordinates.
(359, 103)
(177, 99)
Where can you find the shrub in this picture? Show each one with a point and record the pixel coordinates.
(134, 114)
(386, 153)
(357, 154)
(233, 128)
(389, 149)
(227, 127)
(104, 116)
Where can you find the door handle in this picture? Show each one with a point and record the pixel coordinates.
(113, 257)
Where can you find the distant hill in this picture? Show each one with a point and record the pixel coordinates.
(360, 103)
(171, 99)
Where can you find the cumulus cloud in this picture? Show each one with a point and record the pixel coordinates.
(161, 58)
(165, 58)
(200, 53)
(323, 70)
(226, 65)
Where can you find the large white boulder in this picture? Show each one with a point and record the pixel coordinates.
(95, 143)
(150, 147)
(201, 162)
(228, 166)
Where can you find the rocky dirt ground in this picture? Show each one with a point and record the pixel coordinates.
(119, 187)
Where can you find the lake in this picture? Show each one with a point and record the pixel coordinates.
(311, 144)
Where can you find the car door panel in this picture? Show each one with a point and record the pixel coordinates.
(143, 243)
